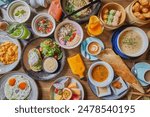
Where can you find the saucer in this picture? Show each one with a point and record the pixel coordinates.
(139, 71)
(84, 52)
(109, 97)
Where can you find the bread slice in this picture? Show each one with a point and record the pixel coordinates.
(120, 68)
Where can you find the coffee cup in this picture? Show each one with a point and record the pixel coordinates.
(93, 48)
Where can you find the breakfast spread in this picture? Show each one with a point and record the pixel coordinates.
(66, 29)
(8, 52)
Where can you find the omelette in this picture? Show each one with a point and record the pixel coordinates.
(17, 88)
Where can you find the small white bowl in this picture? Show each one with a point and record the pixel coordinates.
(38, 17)
(79, 28)
(91, 53)
(144, 40)
(110, 74)
(13, 5)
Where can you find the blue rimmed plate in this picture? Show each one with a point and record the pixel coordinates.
(84, 44)
(114, 42)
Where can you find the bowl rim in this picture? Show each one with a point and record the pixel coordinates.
(33, 23)
(108, 80)
(66, 22)
(17, 2)
(112, 3)
(144, 37)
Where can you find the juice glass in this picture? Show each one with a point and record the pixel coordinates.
(19, 31)
(94, 27)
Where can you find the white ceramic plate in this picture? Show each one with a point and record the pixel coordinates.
(72, 80)
(34, 89)
(7, 68)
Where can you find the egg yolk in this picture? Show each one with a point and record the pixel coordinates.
(12, 82)
(22, 85)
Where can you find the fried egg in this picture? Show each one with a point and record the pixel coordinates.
(17, 88)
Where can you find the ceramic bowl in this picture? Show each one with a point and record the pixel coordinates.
(83, 19)
(145, 41)
(107, 81)
(79, 31)
(13, 5)
(39, 17)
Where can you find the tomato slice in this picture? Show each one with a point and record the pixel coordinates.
(72, 37)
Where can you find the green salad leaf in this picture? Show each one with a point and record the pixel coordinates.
(51, 49)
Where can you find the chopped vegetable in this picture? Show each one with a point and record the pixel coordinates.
(51, 49)
(44, 26)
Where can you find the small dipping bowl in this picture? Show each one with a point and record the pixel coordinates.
(47, 65)
(108, 80)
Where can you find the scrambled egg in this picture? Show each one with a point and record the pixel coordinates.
(8, 52)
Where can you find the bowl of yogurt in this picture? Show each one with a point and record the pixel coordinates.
(18, 11)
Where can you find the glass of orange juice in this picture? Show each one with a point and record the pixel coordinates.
(94, 27)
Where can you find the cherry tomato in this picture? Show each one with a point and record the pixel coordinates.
(56, 90)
